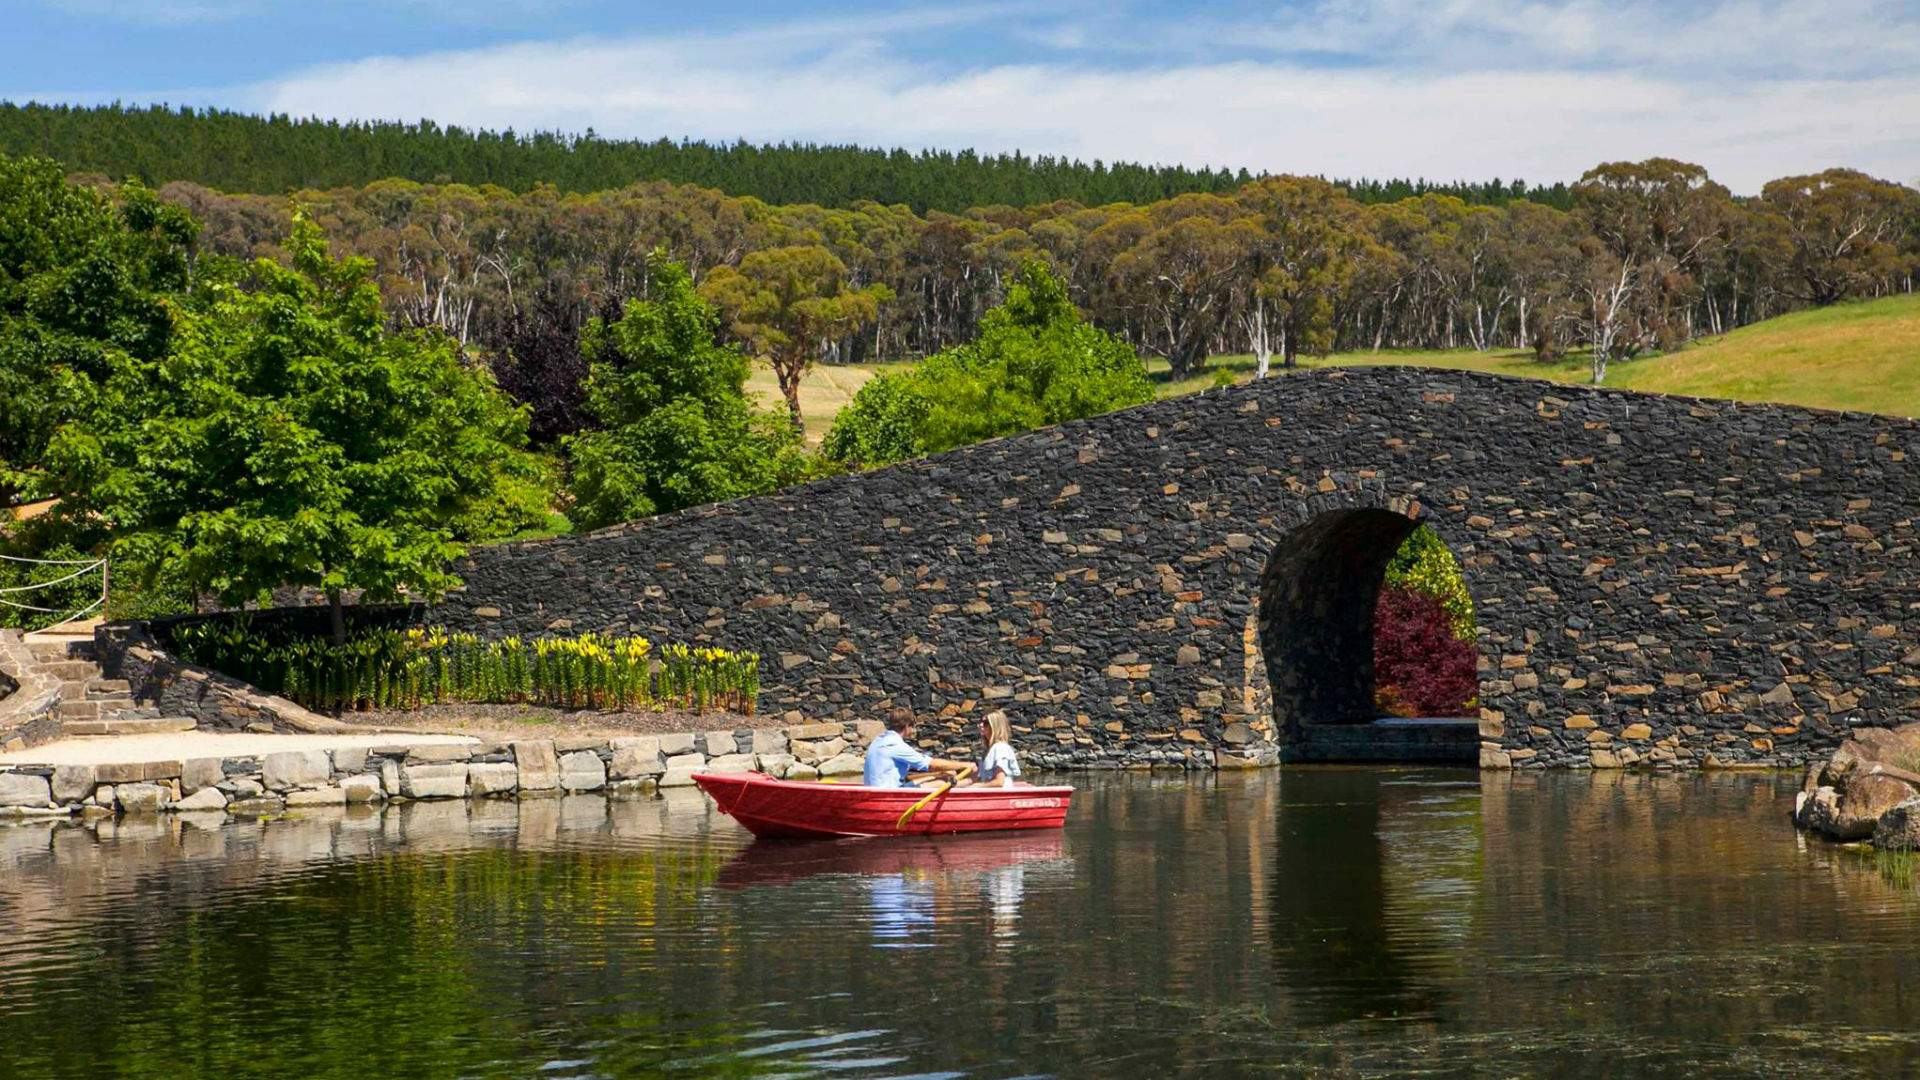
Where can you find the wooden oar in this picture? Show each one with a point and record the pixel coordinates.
(944, 787)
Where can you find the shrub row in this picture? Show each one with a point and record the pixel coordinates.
(405, 669)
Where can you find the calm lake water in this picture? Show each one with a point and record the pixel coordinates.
(1302, 921)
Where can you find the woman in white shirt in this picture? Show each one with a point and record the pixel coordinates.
(1001, 766)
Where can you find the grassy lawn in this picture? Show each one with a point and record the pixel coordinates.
(1863, 356)
(824, 390)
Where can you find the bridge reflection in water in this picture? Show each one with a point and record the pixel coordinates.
(1335, 919)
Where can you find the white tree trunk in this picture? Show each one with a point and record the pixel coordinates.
(1260, 338)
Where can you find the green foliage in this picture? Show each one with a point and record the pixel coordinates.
(1036, 362)
(287, 438)
(396, 669)
(678, 427)
(1424, 565)
(273, 154)
(83, 282)
(62, 581)
(788, 304)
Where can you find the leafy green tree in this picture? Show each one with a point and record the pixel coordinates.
(1424, 565)
(1036, 362)
(678, 429)
(288, 439)
(787, 304)
(82, 282)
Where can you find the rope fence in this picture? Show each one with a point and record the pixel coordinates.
(82, 568)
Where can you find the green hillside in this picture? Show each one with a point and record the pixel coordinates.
(1863, 356)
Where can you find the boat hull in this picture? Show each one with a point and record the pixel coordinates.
(792, 809)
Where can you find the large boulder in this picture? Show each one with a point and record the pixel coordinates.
(582, 770)
(538, 765)
(1889, 750)
(1899, 828)
(446, 781)
(1866, 797)
(1875, 770)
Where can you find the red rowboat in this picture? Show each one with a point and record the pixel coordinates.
(791, 808)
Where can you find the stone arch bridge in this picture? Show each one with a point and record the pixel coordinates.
(1660, 581)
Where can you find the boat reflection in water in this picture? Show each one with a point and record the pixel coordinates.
(911, 881)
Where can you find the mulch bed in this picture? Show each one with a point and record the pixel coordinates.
(540, 721)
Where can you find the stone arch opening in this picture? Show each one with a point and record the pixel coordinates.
(1315, 632)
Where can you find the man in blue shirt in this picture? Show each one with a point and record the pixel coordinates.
(891, 757)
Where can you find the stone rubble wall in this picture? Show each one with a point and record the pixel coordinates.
(397, 770)
(29, 710)
(1661, 581)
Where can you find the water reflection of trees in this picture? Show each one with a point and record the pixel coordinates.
(1360, 931)
(1327, 919)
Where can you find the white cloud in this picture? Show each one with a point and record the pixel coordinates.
(793, 83)
(1449, 89)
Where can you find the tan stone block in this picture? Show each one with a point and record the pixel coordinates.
(538, 765)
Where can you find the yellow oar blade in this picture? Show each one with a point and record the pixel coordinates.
(932, 795)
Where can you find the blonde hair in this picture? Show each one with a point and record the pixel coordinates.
(998, 730)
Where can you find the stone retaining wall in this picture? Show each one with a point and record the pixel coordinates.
(524, 768)
(28, 708)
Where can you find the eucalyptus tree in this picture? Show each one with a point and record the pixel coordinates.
(1659, 223)
(786, 304)
(1845, 232)
(1180, 275)
(1305, 245)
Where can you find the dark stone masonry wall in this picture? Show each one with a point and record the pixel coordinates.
(1660, 581)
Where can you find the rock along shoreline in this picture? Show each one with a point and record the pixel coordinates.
(392, 768)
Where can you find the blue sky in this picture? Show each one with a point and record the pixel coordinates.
(1441, 88)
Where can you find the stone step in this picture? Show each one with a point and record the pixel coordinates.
(80, 671)
(79, 691)
(69, 711)
(55, 651)
(106, 691)
(158, 725)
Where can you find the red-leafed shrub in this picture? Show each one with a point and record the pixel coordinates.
(1419, 667)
